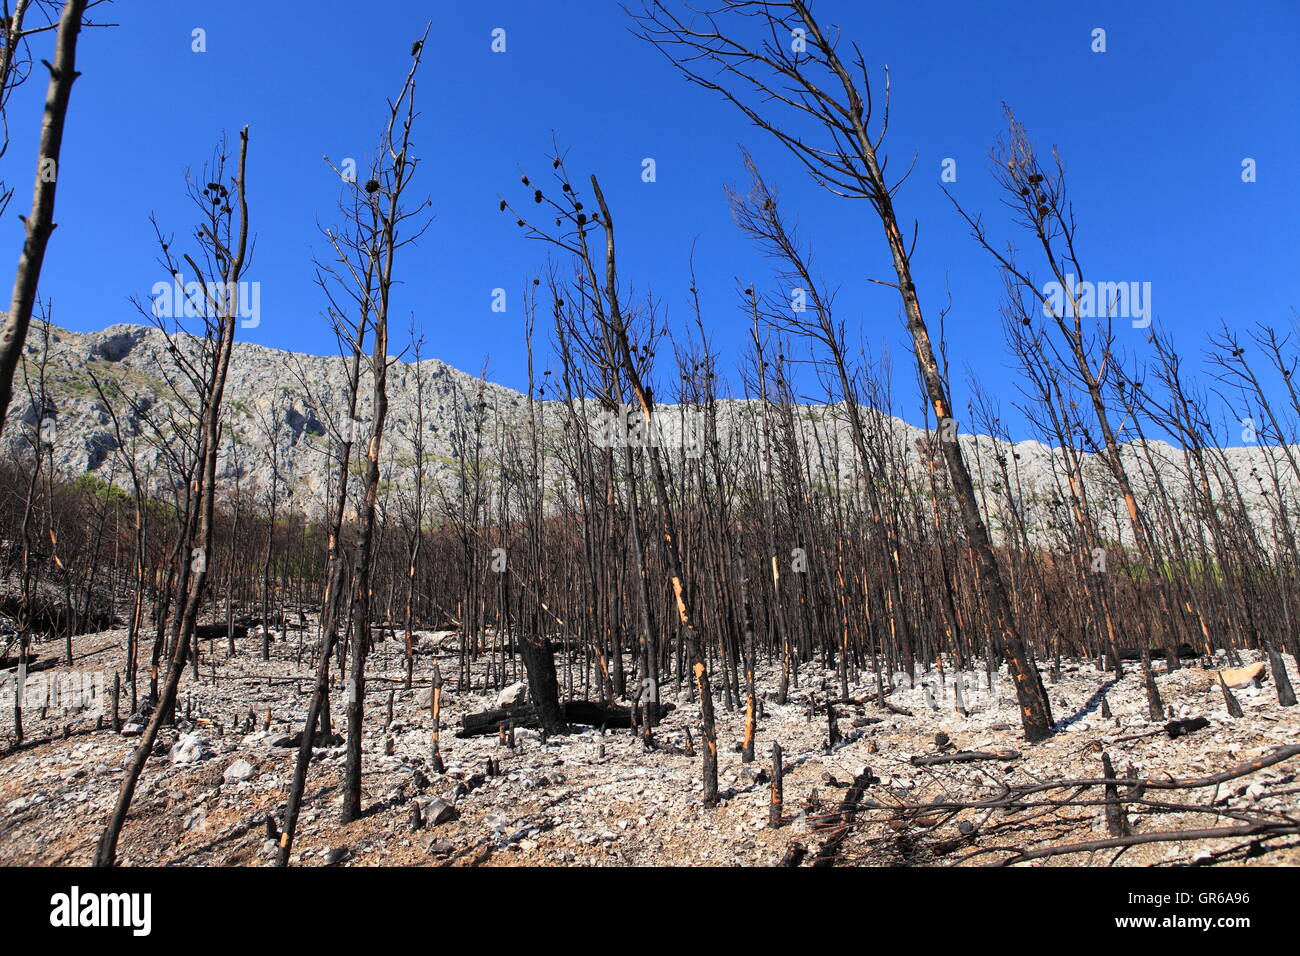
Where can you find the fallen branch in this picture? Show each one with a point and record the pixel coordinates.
(583, 712)
(1166, 836)
(965, 756)
(794, 855)
(844, 820)
(1240, 770)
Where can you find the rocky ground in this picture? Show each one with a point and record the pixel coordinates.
(593, 798)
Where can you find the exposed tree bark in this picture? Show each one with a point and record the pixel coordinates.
(198, 521)
(40, 221)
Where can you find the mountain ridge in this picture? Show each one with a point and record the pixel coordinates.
(282, 408)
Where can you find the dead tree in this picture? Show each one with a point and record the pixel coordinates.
(109, 397)
(534, 645)
(608, 338)
(223, 238)
(792, 51)
(40, 221)
(384, 216)
(413, 505)
(270, 426)
(38, 435)
(331, 602)
(1080, 346)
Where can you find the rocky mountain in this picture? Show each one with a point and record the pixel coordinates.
(284, 411)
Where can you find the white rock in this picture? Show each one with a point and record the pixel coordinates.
(238, 771)
(512, 695)
(190, 748)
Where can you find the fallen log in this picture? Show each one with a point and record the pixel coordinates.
(1175, 729)
(319, 741)
(965, 756)
(213, 632)
(250, 620)
(1181, 728)
(489, 721)
(9, 663)
(585, 712)
(33, 665)
(1185, 652)
(895, 709)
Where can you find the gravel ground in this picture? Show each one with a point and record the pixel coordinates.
(593, 798)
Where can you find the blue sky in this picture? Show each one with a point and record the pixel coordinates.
(1153, 131)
